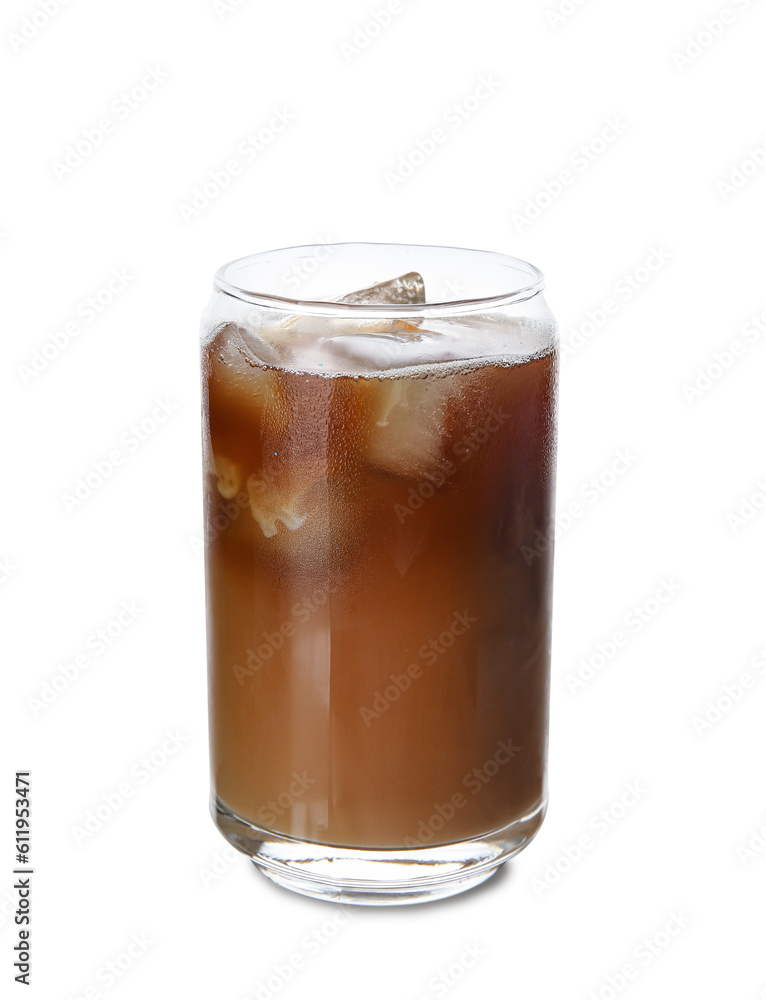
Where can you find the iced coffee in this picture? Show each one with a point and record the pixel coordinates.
(378, 479)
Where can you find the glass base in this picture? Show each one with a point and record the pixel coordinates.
(369, 877)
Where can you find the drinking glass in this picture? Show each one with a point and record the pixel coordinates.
(379, 428)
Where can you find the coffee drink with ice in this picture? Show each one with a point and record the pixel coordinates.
(379, 476)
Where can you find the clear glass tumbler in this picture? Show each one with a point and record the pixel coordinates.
(379, 430)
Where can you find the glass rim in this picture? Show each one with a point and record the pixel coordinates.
(222, 283)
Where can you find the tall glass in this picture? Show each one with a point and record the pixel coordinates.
(379, 447)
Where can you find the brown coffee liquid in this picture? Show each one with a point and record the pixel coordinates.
(379, 588)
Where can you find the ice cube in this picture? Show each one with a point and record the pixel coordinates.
(368, 352)
(229, 476)
(241, 394)
(381, 351)
(407, 427)
(269, 506)
(406, 288)
(236, 364)
(393, 397)
(254, 348)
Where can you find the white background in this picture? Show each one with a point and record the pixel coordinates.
(695, 459)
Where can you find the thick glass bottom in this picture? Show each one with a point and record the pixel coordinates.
(368, 877)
